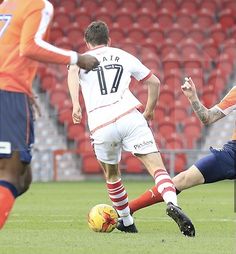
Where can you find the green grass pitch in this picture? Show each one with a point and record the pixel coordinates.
(52, 218)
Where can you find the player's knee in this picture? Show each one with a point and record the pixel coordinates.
(25, 181)
(181, 181)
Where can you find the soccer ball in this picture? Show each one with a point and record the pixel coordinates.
(102, 218)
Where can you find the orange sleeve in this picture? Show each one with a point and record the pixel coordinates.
(33, 44)
(228, 103)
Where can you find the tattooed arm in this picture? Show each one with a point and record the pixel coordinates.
(206, 116)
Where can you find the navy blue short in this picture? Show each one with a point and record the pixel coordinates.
(16, 124)
(220, 164)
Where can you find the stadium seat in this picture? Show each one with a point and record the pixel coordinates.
(124, 18)
(150, 5)
(217, 80)
(90, 165)
(209, 96)
(136, 33)
(189, 5)
(57, 98)
(148, 46)
(89, 5)
(48, 80)
(229, 46)
(170, 5)
(167, 95)
(197, 76)
(156, 34)
(133, 165)
(217, 33)
(180, 162)
(210, 49)
(56, 32)
(185, 19)
(117, 33)
(168, 47)
(227, 19)
(192, 61)
(197, 34)
(188, 47)
(210, 5)
(104, 14)
(176, 33)
(110, 5)
(225, 62)
(144, 17)
(174, 141)
(64, 42)
(164, 18)
(62, 17)
(205, 18)
(171, 62)
(74, 32)
(128, 45)
(152, 62)
(178, 112)
(74, 131)
(131, 5)
(166, 127)
(69, 5)
(82, 14)
(64, 116)
(160, 112)
(84, 146)
(231, 4)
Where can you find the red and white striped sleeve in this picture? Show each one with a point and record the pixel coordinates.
(34, 32)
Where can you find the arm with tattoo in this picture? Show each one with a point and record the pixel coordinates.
(206, 116)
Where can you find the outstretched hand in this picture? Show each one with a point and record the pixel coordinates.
(87, 62)
(189, 88)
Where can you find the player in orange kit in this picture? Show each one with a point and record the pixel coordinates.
(217, 166)
(24, 26)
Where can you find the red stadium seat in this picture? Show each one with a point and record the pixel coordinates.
(166, 127)
(128, 45)
(90, 165)
(210, 49)
(210, 5)
(89, 5)
(180, 162)
(205, 18)
(152, 62)
(167, 96)
(110, 5)
(229, 47)
(175, 33)
(225, 62)
(64, 42)
(124, 18)
(174, 141)
(74, 32)
(48, 81)
(144, 17)
(170, 5)
(197, 34)
(217, 34)
(227, 19)
(173, 80)
(197, 76)
(133, 165)
(188, 47)
(160, 112)
(231, 4)
(136, 33)
(62, 17)
(164, 18)
(156, 34)
(168, 47)
(69, 5)
(178, 112)
(82, 15)
(84, 146)
(74, 131)
(57, 98)
(192, 132)
(192, 61)
(189, 5)
(150, 5)
(148, 46)
(117, 33)
(56, 32)
(131, 5)
(209, 96)
(171, 61)
(217, 80)
(105, 14)
(184, 19)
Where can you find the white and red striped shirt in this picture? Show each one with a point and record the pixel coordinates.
(106, 88)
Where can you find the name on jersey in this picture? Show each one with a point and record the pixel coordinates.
(144, 143)
(110, 58)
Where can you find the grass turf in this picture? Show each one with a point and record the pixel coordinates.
(51, 218)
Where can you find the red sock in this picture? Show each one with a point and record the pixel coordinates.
(7, 200)
(150, 197)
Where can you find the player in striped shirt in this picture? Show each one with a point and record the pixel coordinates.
(116, 123)
(24, 28)
(217, 166)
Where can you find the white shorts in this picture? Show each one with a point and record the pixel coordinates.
(130, 133)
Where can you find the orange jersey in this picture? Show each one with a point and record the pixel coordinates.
(228, 104)
(24, 26)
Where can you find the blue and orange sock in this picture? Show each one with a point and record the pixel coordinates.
(8, 194)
